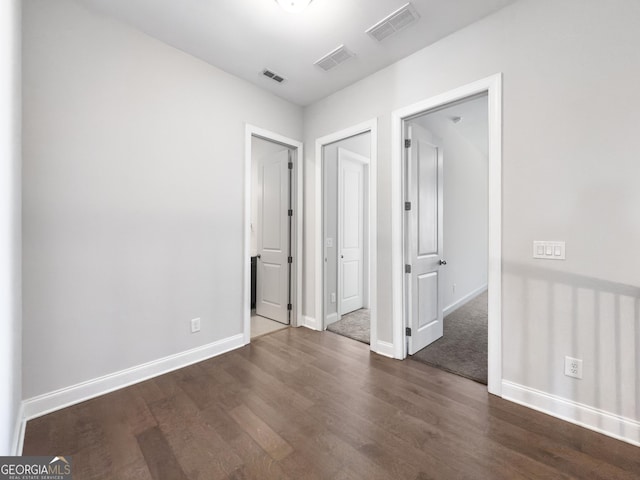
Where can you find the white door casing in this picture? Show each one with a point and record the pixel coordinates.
(272, 272)
(351, 173)
(424, 237)
(493, 86)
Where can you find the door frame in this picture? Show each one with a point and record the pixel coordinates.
(491, 85)
(370, 126)
(366, 283)
(296, 234)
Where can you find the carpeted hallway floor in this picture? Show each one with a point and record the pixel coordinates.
(461, 350)
(463, 347)
(356, 325)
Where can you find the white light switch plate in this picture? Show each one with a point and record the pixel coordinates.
(329, 242)
(550, 250)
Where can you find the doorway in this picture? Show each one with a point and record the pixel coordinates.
(446, 225)
(418, 293)
(346, 224)
(273, 235)
(346, 233)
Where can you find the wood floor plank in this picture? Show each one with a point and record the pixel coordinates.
(270, 441)
(252, 455)
(160, 459)
(299, 404)
(198, 448)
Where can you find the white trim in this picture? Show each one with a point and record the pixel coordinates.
(372, 127)
(18, 432)
(467, 298)
(65, 397)
(615, 426)
(310, 322)
(493, 86)
(333, 318)
(298, 161)
(384, 348)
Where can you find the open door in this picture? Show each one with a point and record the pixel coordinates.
(424, 238)
(350, 231)
(273, 269)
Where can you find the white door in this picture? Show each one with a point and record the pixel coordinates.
(424, 237)
(350, 231)
(273, 239)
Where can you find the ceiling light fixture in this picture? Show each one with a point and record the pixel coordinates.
(294, 6)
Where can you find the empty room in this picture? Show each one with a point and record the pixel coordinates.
(244, 239)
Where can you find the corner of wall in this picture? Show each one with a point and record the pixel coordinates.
(310, 323)
(10, 226)
(18, 432)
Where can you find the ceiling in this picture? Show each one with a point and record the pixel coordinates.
(469, 118)
(243, 37)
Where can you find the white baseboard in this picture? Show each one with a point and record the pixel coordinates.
(385, 349)
(332, 319)
(65, 397)
(615, 426)
(310, 322)
(18, 432)
(467, 298)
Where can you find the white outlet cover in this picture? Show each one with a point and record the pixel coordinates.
(573, 367)
(195, 325)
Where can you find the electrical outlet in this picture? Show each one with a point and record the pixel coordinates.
(195, 325)
(333, 297)
(573, 367)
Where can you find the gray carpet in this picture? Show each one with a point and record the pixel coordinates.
(356, 325)
(463, 348)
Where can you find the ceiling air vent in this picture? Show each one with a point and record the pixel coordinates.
(334, 57)
(401, 18)
(273, 76)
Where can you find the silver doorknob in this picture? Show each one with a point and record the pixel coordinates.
(442, 262)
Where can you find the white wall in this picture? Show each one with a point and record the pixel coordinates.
(10, 232)
(570, 172)
(360, 144)
(133, 195)
(465, 200)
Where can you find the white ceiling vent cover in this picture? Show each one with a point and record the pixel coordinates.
(334, 58)
(401, 18)
(273, 76)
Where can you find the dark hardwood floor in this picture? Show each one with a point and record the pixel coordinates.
(299, 404)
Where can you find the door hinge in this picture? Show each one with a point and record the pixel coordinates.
(407, 143)
(407, 331)
(290, 259)
(290, 165)
(407, 269)
(407, 205)
(290, 213)
(289, 306)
